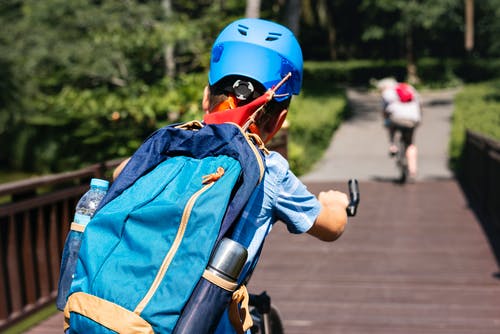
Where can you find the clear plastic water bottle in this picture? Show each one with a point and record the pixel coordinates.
(84, 211)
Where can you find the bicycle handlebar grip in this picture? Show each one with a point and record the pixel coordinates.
(354, 197)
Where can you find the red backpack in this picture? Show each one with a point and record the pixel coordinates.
(404, 92)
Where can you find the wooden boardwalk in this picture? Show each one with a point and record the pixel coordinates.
(414, 260)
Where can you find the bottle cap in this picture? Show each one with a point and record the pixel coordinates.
(99, 183)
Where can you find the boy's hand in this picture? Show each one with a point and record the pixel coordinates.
(331, 221)
(333, 199)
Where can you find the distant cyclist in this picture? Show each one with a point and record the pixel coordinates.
(402, 112)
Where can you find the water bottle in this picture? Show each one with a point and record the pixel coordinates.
(84, 211)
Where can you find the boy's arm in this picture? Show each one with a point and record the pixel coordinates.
(332, 218)
(120, 167)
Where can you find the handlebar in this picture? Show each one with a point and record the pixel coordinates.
(354, 197)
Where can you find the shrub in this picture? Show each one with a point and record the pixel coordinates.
(477, 108)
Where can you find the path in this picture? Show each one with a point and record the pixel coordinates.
(359, 147)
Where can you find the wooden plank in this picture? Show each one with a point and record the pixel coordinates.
(4, 309)
(54, 254)
(41, 257)
(13, 268)
(28, 253)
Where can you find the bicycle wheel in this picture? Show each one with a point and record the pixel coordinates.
(401, 161)
(274, 322)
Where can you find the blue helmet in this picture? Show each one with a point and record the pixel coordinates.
(260, 50)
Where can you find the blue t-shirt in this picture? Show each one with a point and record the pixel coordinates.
(281, 196)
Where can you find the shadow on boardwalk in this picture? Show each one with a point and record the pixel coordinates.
(414, 260)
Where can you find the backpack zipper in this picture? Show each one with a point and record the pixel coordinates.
(173, 250)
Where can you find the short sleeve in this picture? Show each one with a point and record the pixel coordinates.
(294, 204)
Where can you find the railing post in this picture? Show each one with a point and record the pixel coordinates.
(481, 175)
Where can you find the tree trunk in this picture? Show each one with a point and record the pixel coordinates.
(253, 9)
(411, 66)
(292, 13)
(169, 47)
(332, 33)
(469, 25)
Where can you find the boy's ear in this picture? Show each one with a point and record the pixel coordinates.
(278, 124)
(205, 103)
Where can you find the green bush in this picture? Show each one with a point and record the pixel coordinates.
(433, 72)
(78, 127)
(75, 128)
(477, 108)
(353, 72)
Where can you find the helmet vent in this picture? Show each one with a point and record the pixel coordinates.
(273, 36)
(243, 29)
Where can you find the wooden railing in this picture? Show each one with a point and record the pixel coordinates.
(480, 176)
(35, 215)
(34, 219)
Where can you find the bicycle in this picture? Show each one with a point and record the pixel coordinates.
(265, 315)
(401, 161)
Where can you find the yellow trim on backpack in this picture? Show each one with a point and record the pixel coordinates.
(106, 313)
(77, 227)
(219, 281)
(173, 249)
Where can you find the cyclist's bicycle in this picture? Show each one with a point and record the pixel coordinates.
(401, 161)
(266, 316)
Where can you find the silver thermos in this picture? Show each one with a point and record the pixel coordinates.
(228, 260)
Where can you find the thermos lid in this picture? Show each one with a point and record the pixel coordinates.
(229, 258)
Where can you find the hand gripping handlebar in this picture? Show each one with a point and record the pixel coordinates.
(354, 197)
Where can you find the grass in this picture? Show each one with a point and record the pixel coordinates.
(477, 108)
(10, 176)
(33, 320)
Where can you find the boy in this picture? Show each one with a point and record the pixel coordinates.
(249, 57)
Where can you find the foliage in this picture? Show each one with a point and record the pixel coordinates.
(77, 126)
(403, 16)
(434, 72)
(487, 29)
(477, 108)
(85, 80)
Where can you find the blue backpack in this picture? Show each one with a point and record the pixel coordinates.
(143, 255)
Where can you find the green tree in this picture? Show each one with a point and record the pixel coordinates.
(487, 28)
(404, 19)
(86, 80)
